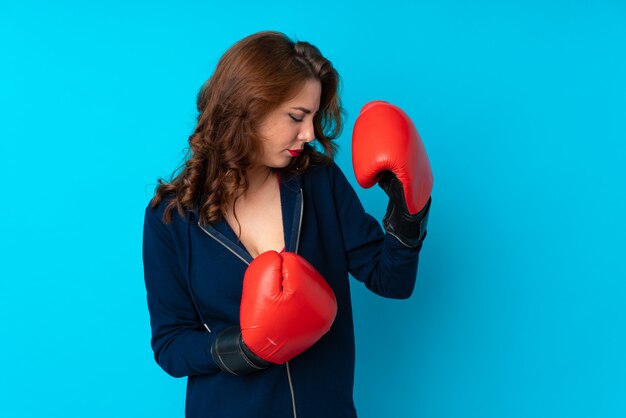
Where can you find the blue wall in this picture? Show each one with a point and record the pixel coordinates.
(519, 305)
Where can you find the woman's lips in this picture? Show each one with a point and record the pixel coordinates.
(294, 153)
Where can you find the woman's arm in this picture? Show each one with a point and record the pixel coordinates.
(380, 260)
(182, 347)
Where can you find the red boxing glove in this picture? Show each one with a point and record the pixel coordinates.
(286, 306)
(384, 138)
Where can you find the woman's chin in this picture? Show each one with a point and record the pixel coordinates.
(283, 162)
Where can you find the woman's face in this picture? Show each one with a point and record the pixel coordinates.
(290, 126)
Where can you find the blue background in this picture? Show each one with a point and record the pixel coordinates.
(519, 305)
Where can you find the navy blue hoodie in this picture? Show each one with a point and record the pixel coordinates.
(194, 275)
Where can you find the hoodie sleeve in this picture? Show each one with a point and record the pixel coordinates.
(180, 343)
(379, 260)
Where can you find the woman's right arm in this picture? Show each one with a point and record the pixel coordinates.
(181, 346)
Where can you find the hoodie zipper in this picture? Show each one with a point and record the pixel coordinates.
(293, 396)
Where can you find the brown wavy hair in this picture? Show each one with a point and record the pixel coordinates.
(252, 78)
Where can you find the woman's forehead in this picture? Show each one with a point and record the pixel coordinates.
(308, 98)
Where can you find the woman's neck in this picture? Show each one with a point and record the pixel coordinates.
(259, 178)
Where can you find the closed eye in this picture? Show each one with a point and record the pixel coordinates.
(294, 118)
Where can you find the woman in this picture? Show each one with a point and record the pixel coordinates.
(254, 186)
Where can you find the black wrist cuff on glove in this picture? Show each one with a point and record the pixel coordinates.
(409, 229)
(232, 355)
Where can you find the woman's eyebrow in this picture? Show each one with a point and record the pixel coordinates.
(303, 109)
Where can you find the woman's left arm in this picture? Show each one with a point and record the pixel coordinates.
(379, 259)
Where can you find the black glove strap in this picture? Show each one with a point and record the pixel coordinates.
(232, 355)
(409, 229)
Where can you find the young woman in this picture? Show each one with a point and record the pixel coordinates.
(247, 252)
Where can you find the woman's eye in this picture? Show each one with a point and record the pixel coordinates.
(294, 118)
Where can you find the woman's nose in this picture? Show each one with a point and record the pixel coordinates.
(307, 133)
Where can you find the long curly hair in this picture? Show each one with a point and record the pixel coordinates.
(252, 78)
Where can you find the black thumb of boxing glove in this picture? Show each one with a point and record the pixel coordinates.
(409, 229)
